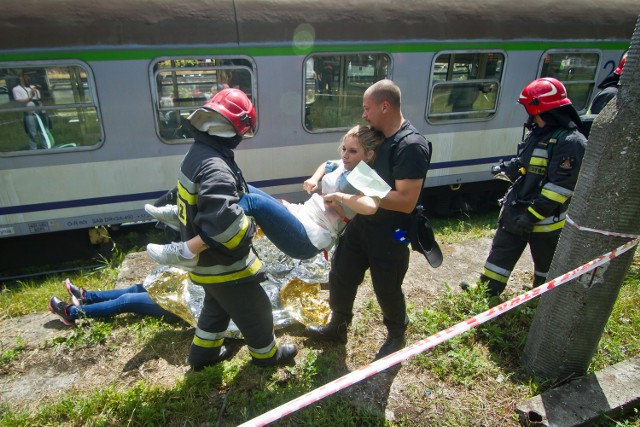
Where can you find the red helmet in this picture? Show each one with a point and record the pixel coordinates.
(618, 70)
(235, 106)
(543, 95)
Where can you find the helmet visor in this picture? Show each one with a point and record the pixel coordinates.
(212, 122)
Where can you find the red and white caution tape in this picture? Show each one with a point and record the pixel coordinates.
(427, 343)
(594, 230)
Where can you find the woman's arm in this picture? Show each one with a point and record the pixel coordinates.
(311, 184)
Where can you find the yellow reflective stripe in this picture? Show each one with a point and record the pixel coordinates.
(534, 213)
(184, 194)
(249, 271)
(237, 239)
(549, 227)
(495, 276)
(207, 343)
(538, 161)
(552, 195)
(267, 355)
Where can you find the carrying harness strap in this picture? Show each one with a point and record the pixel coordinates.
(551, 142)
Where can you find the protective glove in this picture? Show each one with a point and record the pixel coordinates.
(523, 223)
(508, 171)
(513, 169)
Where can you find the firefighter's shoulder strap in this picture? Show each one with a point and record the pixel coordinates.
(396, 141)
(399, 137)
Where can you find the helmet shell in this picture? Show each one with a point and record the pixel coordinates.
(543, 95)
(235, 106)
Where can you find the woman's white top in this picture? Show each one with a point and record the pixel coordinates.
(321, 222)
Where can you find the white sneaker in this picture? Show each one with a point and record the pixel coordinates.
(167, 214)
(171, 255)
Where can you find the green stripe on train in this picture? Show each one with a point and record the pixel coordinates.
(119, 54)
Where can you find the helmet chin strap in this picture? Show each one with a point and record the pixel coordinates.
(528, 126)
(530, 123)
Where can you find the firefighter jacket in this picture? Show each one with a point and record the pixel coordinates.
(210, 184)
(551, 158)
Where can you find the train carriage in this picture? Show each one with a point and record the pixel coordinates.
(116, 81)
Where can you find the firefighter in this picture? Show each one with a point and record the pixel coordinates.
(543, 177)
(209, 186)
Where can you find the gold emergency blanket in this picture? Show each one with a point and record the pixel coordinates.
(170, 288)
(292, 287)
(301, 301)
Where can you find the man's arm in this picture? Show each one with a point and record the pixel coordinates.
(358, 203)
(405, 197)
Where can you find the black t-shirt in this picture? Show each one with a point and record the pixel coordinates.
(401, 157)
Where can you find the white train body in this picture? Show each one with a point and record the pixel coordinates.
(117, 80)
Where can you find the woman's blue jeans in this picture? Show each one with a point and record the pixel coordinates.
(133, 299)
(278, 224)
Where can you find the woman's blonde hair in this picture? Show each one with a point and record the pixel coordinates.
(368, 138)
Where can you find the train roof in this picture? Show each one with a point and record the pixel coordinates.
(34, 24)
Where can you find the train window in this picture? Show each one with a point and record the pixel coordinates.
(46, 107)
(576, 70)
(465, 86)
(183, 84)
(334, 85)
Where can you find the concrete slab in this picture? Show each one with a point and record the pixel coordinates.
(613, 392)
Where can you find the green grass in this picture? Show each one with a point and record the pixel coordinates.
(470, 357)
(13, 352)
(485, 358)
(455, 229)
(31, 295)
(620, 337)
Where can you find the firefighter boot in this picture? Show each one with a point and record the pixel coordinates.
(284, 356)
(201, 357)
(332, 331)
(393, 343)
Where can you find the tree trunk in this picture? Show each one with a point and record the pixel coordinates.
(570, 320)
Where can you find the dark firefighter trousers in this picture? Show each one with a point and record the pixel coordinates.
(247, 304)
(505, 252)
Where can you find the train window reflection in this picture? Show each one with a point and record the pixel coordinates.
(334, 85)
(576, 70)
(46, 107)
(184, 84)
(465, 86)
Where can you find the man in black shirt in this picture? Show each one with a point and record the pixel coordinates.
(369, 241)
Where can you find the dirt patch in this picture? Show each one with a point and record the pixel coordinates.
(44, 371)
